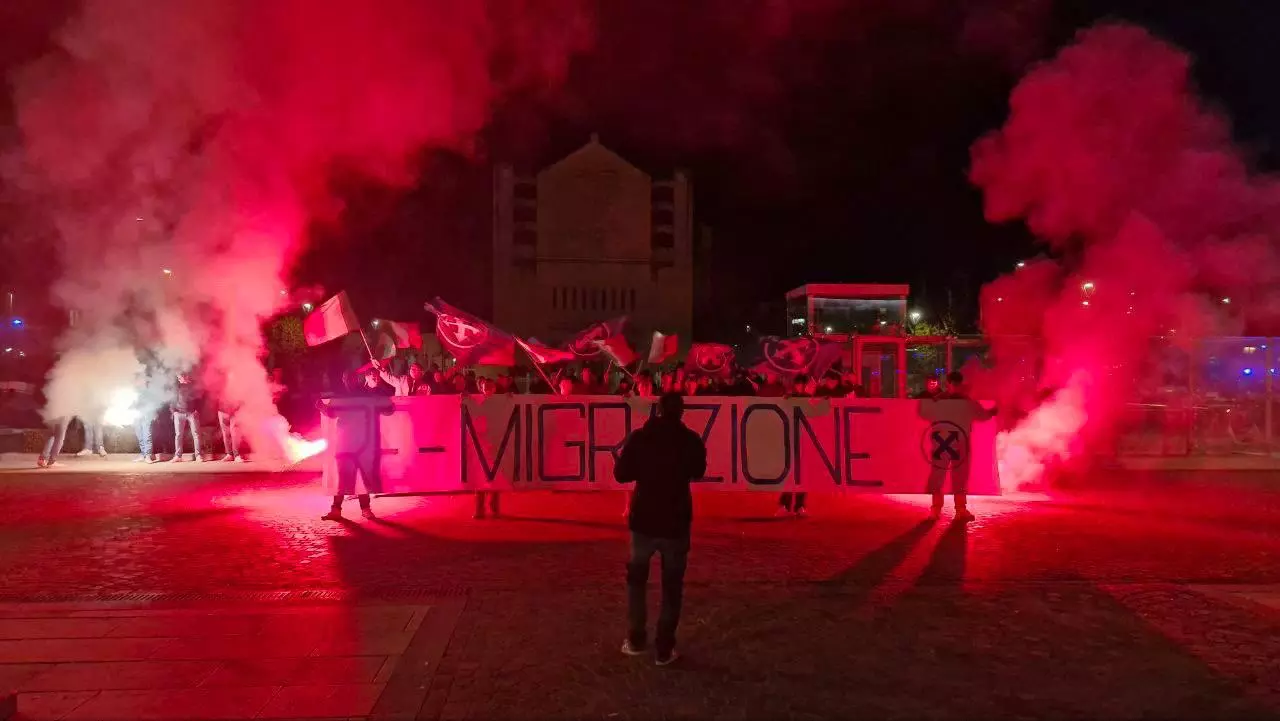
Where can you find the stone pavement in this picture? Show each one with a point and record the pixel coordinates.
(1154, 601)
(22, 463)
(86, 661)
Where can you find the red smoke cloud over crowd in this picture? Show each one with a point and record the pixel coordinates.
(179, 149)
(1151, 216)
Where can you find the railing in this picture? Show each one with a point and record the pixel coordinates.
(1216, 396)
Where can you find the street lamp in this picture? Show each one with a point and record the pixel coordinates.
(307, 307)
(916, 316)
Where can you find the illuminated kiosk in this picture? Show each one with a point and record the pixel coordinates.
(871, 318)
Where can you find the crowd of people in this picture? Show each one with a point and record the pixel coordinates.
(645, 383)
(186, 406)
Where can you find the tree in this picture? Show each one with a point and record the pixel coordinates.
(284, 337)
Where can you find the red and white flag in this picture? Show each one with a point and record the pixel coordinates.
(469, 339)
(333, 319)
(616, 349)
(404, 335)
(710, 359)
(662, 348)
(545, 355)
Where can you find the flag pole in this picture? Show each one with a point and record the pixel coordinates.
(537, 366)
(367, 348)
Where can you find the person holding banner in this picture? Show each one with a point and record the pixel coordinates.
(662, 458)
(955, 394)
(794, 502)
(488, 387)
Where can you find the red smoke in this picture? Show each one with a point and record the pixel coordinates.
(1134, 183)
(199, 136)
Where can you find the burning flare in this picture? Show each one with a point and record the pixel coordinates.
(296, 448)
(122, 409)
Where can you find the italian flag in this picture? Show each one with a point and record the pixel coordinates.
(333, 319)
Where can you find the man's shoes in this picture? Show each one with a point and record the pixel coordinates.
(782, 511)
(630, 649)
(142, 459)
(479, 515)
(241, 459)
(199, 458)
(801, 512)
(367, 513)
(334, 514)
(83, 452)
(102, 451)
(963, 515)
(41, 463)
(228, 458)
(668, 659)
(177, 458)
(935, 514)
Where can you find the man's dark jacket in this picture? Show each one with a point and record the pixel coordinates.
(662, 458)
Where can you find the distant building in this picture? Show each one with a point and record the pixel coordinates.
(590, 238)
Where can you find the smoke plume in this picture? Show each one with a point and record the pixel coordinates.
(179, 149)
(1152, 217)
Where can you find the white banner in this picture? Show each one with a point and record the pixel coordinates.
(470, 443)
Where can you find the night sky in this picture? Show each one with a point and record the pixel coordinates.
(834, 151)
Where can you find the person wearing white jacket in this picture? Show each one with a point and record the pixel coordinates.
(406, 385)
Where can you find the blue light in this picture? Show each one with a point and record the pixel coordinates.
(1247, 371)
(17, 322)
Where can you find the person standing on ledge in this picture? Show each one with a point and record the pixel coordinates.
(662, 458)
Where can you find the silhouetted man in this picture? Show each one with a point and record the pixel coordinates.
(662, 458)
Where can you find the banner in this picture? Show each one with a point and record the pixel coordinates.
(469, 443)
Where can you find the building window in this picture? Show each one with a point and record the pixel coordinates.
(631, 301)
(664, 216)
(525, 190)
(613, 299)
(526, 236)
(525, 213)
(663, 238)
(662, 193)
(555, 298)
(573, 298)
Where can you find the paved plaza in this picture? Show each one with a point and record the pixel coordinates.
(222, 596)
